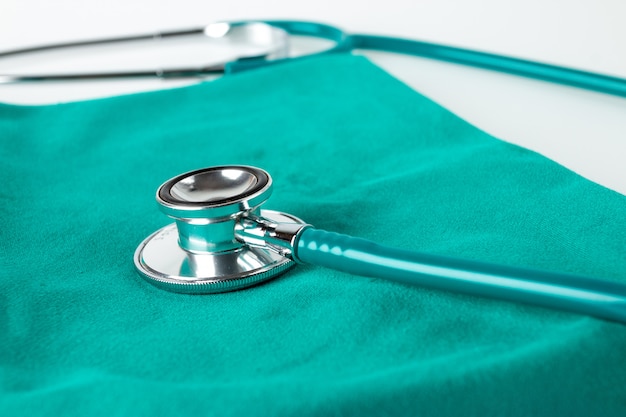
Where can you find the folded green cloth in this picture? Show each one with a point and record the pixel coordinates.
(352, 150)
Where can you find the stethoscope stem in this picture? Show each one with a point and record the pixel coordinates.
(603, 299)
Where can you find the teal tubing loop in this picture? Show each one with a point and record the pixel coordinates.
(602, 299)
(344, 43)
(560, 75)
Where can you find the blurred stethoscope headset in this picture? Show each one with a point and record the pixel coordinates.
(221, 240)
(271, 38)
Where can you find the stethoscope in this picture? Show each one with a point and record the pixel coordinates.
(221, 240)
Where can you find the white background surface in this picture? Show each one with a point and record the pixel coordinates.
(582, 130)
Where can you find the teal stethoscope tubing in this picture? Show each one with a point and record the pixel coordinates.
(602, 299)
(346, 43)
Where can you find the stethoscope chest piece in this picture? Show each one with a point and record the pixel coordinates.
(200, 252)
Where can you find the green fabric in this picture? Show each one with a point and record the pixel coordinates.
(351, 150)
